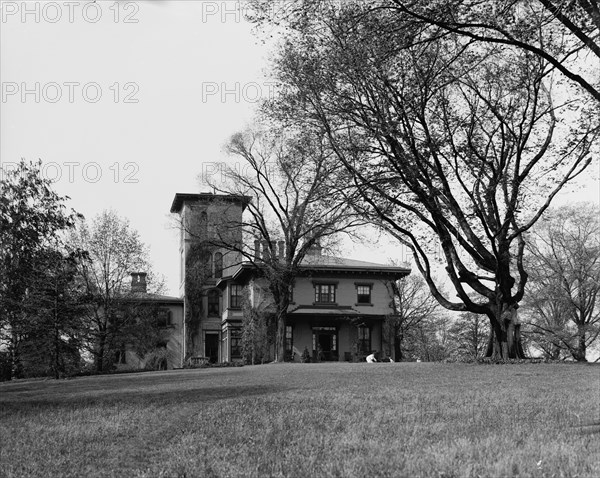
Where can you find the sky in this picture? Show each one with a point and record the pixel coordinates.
(129, 102)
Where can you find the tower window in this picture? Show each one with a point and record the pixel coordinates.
(213, 303)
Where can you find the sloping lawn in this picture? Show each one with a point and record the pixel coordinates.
(311, 420)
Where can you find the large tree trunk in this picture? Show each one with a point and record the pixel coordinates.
(505, 336)
(281, 296)
(579, 351)
(280, 336)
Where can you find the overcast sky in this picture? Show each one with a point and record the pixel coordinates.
(126, 103)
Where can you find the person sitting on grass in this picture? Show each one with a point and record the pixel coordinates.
(371, 358)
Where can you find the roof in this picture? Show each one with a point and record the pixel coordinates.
(180, 198)
(144, 296)
(329, 264)
(332, 262)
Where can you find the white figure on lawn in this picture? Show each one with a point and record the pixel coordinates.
(371, 358)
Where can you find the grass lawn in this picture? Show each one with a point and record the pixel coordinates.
(308, 420)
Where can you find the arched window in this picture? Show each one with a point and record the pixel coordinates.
(218, 265)
(213, 303)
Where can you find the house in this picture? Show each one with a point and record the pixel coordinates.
(338, 305)
(166, 313)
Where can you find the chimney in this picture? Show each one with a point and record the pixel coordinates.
(256, 249)
(138, 282)
(266, 251)
(315, 249)
(281, 248)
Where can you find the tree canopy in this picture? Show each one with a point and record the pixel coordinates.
(294, 207)
(33, 220)
(441, 134)
(564, 264)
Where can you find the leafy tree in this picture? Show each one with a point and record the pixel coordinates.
(50, 343)
(294, 208)
(413, 305)
(197, 271)
(114, 251)
(451, 138)
(257, 322)
(564, 266)
(32, 218)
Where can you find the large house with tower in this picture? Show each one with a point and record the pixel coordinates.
(338, 305)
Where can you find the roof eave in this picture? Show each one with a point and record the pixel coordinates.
(180, 198)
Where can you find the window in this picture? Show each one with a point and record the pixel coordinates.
(363, 294)
(213, 303)
(364, 340)
(325, 293)
(218, 265)
(236, 343)
(163, 318)
(235, 301)
(289, 339)
(208, 265)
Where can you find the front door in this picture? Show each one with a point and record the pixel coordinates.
(211, 347)
(325, 344)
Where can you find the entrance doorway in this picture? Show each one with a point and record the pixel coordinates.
(325, 344)
(211, 346)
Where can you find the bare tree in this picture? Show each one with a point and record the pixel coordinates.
(468, 336)
(454, 139)
(294, 207)
(563, 33)
(412, 304)
(564, 266)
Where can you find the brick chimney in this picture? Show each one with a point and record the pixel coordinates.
(266, 252)
(256, 249)
(138, 282)
(315, 249)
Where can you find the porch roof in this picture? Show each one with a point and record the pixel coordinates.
(333, 311)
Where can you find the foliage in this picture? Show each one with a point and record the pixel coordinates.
(157, 358)
(50, 341)
(564, 265)
(257, 331)
(441, 136)
(306, 356)
(197, 271)
(114, 251)
(32, 218)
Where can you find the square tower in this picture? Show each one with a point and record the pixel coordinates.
(210, 224)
